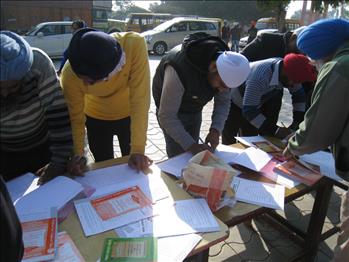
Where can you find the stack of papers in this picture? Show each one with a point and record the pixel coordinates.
(185, 217)
(39, 234)
(262, 194)
(175, 165)
(252, 158)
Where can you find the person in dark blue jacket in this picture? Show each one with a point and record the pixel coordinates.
(76, 25)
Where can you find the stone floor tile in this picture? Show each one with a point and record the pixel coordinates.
(223, 252)
(256, 249)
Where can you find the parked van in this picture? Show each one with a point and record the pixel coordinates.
(171, 33)
(270, 23)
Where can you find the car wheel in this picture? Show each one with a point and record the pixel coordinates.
(160, 48)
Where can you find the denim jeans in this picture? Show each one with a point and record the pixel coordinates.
(192, 124)
(235, 45)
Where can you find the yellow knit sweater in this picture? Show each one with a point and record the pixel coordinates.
(127, 93)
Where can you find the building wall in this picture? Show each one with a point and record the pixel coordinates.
(20, 16)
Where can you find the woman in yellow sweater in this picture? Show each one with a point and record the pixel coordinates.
(106, 83)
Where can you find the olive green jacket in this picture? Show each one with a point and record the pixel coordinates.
(326, 123)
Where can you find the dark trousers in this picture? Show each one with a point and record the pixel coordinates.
(236, 124)
(192, 124)
(100, 137)
(14, 164)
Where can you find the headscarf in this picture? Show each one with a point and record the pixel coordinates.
(93, 53)
(16, 56)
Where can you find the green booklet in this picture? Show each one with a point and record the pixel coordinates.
(130, 249)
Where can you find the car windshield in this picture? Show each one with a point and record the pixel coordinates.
(163, 26)
(32, 29)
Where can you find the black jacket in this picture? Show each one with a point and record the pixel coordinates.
(11, 231)
(267, 45)
(191, 62)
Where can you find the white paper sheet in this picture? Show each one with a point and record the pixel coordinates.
(325, 161)
(19, 186)
(177, 248)
(258, 193)
(116, 178)
(92, 223)
(185, 217)
(55, 193)
(252, 158)
(248, 140)
(175, 165)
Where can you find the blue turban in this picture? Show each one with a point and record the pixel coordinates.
(323, 37)
(16, 56)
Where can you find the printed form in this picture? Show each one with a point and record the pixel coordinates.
(258, 193)
(114, 210)
(119, 177)
(185, 217)
(39, 234)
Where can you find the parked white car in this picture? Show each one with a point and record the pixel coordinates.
(51, 37)
(171, 33)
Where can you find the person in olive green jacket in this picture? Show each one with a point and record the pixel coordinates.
(326, 123)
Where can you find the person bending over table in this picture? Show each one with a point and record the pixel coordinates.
(106, 83)
(326, 123)
(186, 79)
(35, 134)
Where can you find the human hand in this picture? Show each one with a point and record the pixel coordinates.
(197, 148)
(77, 165)
(212, 138)
(139, 162)
(49, 172)
(283, 132)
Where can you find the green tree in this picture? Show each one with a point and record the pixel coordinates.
(279, 9)
(241, 11)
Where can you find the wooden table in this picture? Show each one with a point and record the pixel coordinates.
(91, 247)
(310, 239)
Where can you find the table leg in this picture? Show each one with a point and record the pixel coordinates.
(317, 219)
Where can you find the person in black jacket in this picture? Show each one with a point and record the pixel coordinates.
(270, 45)
(186, 79)
(12, 247)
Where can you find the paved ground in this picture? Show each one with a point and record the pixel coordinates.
(262, 242)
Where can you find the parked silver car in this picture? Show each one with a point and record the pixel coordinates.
(51, 37)
(171, 33)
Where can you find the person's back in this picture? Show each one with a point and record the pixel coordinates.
(35, 126)
(235, 33)
(266, 45)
